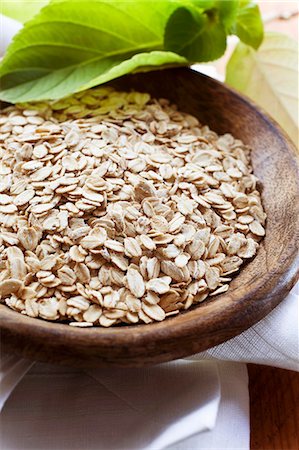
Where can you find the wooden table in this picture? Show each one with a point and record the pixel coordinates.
(274, 408)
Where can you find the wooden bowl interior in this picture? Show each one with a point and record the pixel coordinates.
(255, 291)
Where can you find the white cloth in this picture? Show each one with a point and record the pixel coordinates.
(274, 341)
(12, 370)
(173, 404)
(231, 430)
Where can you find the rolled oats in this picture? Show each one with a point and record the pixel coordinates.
(135, 282)
(117, 208)
(159, 285)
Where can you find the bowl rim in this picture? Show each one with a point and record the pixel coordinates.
(178, 326)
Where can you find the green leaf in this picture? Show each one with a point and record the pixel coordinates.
(21, 10)
(73, 44)
(228, 10)
(56, 87)
(198, 36)
(249, 25)
(69, 44)
(269, 77)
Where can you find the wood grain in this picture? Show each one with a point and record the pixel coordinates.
(259, 287)
(274, 408)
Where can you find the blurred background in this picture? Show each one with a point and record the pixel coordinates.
(280, 16)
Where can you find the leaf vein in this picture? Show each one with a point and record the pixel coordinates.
(79, 24)
(274, 91)
(123, 53)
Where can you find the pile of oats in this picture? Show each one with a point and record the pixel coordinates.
(117, 208)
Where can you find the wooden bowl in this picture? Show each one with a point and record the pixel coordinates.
(258, 288)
